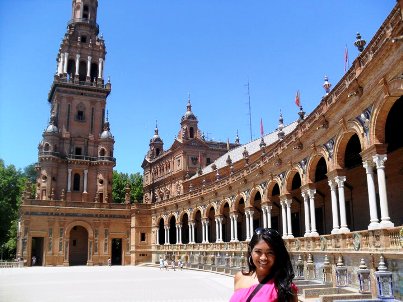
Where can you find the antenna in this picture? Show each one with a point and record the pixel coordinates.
(250, 114)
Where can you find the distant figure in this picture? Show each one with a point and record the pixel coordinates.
(166, 264)
(180, 264)
(173, 264)
(109, 262)
(161, 263)
(33, 260)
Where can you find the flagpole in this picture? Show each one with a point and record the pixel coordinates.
(250, 114)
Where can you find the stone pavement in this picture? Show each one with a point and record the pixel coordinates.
(109, 284)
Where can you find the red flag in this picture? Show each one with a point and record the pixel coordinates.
(298, 99)
(345, 59)
(261, 127)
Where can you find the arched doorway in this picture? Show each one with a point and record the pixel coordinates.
(78, 246)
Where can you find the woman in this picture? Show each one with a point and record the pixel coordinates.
(269, 276)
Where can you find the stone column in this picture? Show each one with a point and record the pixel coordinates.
(206, 232)
(60, 65)
(220, 221)
(247, 225)
(77, 64)
(89, 66)
(192, 232)
(269, 208)
(101, 68)
(284, 219)
(342, 203)
(250, 221)
(335, 213)
(166, 234)
(288, 203)
(373, 213)
(311, 194)
(379, 160)
(306, 214)
(66, 58)
(69, 180)
(157, 238)
(231, 218)
(264, 212)
(85, 180)
(235, 216)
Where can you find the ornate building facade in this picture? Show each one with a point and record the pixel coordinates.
(330, 182)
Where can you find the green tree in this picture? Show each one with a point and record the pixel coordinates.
(120, 180)
(12, 184)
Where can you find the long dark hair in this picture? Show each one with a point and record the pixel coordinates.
(282, 271)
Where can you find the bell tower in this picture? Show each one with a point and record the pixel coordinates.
(76, 152)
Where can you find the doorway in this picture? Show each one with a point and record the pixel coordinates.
(78, 246)
(37, 251)
(116, 251)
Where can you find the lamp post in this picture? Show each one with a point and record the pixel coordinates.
(364, 278)
(360, 43)
(384, 281)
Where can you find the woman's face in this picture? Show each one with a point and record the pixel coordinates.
(263, 257)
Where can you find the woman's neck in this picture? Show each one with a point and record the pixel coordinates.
(260, 277)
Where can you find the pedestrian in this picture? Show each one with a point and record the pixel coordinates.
(161, 263)
(180, 264)
(270, 273)
(109, 262)
(166, 264)
(173, 264)
(33, 260)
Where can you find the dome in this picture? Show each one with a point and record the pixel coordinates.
(107, 132)
(189, 114)
(52, 129)
(156, 138)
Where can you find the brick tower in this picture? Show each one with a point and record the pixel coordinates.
(76, 152)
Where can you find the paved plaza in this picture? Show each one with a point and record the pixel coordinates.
(116, 283)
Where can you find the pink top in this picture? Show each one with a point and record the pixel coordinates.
(268, 292)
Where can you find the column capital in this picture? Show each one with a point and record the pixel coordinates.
(288, 202)
(311, 193)
(332, 184)
(308, 186)
(285, 197)
(373, 150)
(334, 173)
(368, 165)
(379, 160)
(340, 181)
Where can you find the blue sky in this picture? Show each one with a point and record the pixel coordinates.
(159, 51)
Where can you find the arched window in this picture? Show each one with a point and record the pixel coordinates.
(76, 182)
(191, 132)
(102, 152)
(157, 151)
(46, 147)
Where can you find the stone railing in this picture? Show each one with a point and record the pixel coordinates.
(11, 264)
(382, 240)
(74, 204)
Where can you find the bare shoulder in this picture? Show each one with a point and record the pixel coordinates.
(241, 281)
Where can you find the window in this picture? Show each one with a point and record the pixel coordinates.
(191, 132)
(80, 115)
(102, 152)
(208, 160)
(157, 151)
(76, 182)
(83, 39)
(78, 151)
(143, 237)
(85, 12)
(46, 147)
